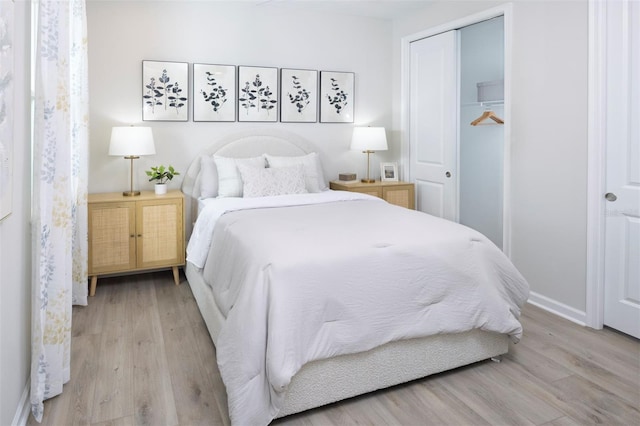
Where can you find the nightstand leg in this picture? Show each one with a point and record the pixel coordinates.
(94, 282)
(176, 275)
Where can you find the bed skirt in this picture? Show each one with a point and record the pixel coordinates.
(325, 381)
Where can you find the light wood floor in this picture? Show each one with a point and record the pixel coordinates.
(141, 354)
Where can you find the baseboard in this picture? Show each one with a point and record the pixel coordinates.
(24, 407)
(558, 308)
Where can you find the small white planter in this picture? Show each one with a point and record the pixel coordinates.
(161, 188)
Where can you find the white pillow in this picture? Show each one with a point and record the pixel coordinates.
(261, 182)
(229, 179)
(208, 177)
(314, 178)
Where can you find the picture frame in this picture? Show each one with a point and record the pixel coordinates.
(165, 89)
(298, 96)
(389, 172)
(337, 97)
(258, 91)
(214, 92)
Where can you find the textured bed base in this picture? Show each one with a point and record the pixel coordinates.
(323, 382)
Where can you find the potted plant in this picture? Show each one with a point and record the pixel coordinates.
(161, 175)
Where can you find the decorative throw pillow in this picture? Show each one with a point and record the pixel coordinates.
(229, 179)
(208, 177)
(261, 182)
(314, 177)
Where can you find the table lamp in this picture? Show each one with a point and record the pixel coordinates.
(130, 143)
(369, 140)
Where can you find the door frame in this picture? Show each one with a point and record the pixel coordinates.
(505, 10)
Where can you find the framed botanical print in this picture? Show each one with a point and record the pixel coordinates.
(165, 87)
(298, 96)
(257, 94)
(214, 92)
(337, 97)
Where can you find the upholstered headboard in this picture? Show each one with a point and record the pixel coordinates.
(249, 143)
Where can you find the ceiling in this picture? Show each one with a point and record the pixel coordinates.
(380, 9)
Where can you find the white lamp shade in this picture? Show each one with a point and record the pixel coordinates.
(131, 141)
(369, 139)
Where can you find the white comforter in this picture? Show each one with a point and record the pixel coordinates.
(313, 281)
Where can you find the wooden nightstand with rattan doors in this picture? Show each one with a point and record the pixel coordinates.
(398, 193)
(134, 234)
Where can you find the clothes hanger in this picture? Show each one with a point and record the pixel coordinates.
(485, 115)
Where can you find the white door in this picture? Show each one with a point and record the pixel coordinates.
(622, 222)
(433, 124)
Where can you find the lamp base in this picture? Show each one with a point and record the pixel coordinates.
(367, 180)
(131, 193)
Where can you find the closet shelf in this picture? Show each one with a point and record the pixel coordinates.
(483, 104)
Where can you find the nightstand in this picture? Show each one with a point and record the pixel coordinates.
(132, 234)
(398, 193)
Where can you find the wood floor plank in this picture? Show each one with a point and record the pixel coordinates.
(113, 393)
(618, 346)
(540, 366)
(88, 320)
(141, 354)
(599, 371)
(174, 302)
(451, 409)
(193, 389)
(440, 406)
(499, 399)
(599, 405)
(543, 390)
(192, 381)
(550, 392)
(121, 421)
(81, 386)
(207, 352)
(153, 394)
(316, 417)
(563, 421)
(609, 355)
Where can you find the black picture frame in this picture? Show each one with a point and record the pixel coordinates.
(214, 92)
(298, 95)
(258, 91)
(165, 91)
(337, 97)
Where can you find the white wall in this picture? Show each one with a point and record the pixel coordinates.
(548, 140)
(15, 244)
(482, 146)
(122, 34)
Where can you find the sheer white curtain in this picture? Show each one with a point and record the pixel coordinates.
(59, 222)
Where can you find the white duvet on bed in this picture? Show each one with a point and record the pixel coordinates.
(312, 281)
(210, 209)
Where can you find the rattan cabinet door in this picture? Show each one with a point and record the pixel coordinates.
(112, 240)
(400, 195)
(160, 240)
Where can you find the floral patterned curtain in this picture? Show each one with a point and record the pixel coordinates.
(59, 222)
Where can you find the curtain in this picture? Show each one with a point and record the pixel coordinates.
(59, 205)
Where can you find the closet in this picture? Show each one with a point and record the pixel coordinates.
(456, 125)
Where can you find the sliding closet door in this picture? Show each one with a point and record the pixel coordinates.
(433, 124)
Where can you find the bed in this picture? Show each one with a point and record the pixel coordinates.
(278, 357)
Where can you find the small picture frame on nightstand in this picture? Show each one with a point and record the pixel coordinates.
(389, 172)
